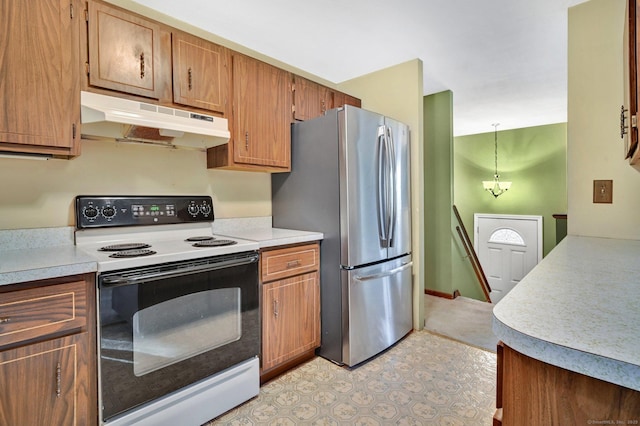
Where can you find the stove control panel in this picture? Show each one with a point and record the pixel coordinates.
(108, 211)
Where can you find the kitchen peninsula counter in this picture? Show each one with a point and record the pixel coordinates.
(579, 310)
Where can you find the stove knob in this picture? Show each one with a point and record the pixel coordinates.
(193, 209)
(205, 209)
(108, 212)
(90, 212)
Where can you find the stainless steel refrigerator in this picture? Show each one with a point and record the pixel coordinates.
(350, 180)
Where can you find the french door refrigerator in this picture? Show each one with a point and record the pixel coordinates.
(350, 180)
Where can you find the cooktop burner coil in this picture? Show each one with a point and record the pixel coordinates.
(200, 238)
(214, 243)
(132, 253)
(125, 246)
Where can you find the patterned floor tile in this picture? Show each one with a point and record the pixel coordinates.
(424, 379)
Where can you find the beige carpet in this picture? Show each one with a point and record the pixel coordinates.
(463, 319)
(424, 379)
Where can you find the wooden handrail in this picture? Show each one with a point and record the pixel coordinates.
(471, 254)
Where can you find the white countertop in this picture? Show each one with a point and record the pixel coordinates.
(32, 264)
(38, 254)
(579, 309)
(271, 237)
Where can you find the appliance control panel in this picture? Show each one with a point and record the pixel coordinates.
(108, 211)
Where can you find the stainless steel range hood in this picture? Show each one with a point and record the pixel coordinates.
(132, 121)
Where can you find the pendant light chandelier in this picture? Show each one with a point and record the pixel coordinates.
(495, 187)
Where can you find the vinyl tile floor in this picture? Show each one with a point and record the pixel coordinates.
(424, 379)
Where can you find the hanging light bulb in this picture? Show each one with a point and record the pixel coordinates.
(495, 187)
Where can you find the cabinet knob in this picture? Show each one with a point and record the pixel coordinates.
(4, 320)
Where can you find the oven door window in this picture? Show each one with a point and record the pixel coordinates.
(181, 328)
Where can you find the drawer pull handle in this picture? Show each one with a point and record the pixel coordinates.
(58, 380)
(4, 320)
(293, 263)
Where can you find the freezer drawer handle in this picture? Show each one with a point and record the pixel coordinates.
(384, 274)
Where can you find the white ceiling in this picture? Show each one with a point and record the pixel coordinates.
(504, 60)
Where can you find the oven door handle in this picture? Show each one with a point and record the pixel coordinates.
(129, 279)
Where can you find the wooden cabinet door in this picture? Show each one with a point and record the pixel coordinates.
(201, 76)
(125, 52)
(261, 114)
(312, 100)
(46, 383)
(39, 76)
(291, 318)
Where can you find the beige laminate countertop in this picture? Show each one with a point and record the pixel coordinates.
(579, 309)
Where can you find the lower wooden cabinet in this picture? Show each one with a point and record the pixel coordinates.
(290, 305)
(46, 383)
(532, 392)
(48, 353)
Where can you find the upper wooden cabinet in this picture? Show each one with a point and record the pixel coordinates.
(310, 99)
(340, 99)
(313, 100)
(201, 76)
(261, 119)
(127, 52)
(39, 77)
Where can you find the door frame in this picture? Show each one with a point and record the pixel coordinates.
(535, 218)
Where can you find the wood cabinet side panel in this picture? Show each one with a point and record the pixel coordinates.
(538, 393)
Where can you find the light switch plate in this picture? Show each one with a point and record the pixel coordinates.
(603, 191)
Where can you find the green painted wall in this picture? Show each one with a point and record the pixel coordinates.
(438, 194)
(534, 159)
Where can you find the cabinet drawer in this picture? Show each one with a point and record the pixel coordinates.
(42, 311)
(282, 263)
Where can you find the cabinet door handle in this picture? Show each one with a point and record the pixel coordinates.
(142, 65)
(4, 320)
(58, 380)
(246, 140)
(294, 263)
(275, 308)
(190, 78)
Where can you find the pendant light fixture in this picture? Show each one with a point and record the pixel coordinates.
(495, 187)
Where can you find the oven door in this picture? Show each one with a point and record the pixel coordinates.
(165, 327)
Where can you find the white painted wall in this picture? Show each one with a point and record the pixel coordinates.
(594, 149)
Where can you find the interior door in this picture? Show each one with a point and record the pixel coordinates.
(508, 247)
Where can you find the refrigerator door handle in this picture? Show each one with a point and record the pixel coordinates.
(392, 194)
(382, 187)
(384, 274)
